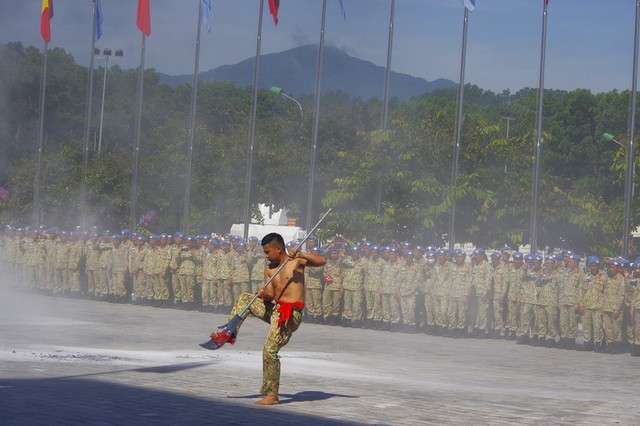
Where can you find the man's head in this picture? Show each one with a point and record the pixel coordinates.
(273, 246)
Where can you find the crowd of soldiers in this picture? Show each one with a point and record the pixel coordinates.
(394, 287)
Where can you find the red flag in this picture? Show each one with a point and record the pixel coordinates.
(45, 17)
(274, 5)
(144, 17)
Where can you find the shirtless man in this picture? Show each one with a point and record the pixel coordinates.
(280, 304)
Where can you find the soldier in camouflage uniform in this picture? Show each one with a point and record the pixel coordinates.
(76, 256)
(546, 311)
(137, 254)
(510, 285)
(427, 292)
(92, 258)
(241, 270)
(613, 297)
(635, 307)
(332, 293)
(225, 274)
(258, 263)
(372, 285)
(528, 298)
(103, 276)
(590, 299)
(166, 277)
(441, 273)
(408, 288)
(353, 266)
(313, 283)
(119, 264)
(391, 290)
(481, 285)
(568, 301)
(458, 285)
(209, 276)
(186, 273)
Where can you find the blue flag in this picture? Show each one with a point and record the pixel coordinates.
(470, 4)
(206, 13)
(98, 33)
(344, 12)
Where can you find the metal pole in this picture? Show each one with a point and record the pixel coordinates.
(104, 86)
(387, 74)
(628, 218)
(316, 119)
(87, 130)
(536, 167)
(192, 126)
(36, 181)
(459, 118)
(252, 133)
(136, 147)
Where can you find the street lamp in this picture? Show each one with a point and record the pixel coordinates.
(628, 193)
(280, 91)
(106, 53)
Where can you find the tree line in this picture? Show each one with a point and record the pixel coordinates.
(393, 184)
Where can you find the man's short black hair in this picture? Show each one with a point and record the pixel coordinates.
(273, 238)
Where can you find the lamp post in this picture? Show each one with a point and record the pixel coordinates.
(628, 192)
(106, 53)
(280, 91)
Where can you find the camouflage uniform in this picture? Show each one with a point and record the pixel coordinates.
(163, 284)
(353, 285)
(502, 303)
(546, 310)
(209, 279)
(372, 285)
(119, 263)
(635, 311)
(186, 275)
(481, 284)
(568, 301)
(225, 271)
(104, 268)
(390, 281)
(313, 295)
(441, 272)
(241, 273)
(92, 257)
(76, 254)
(590, 297)
(332, 293)
(409, 281)
(457, 297)
(613, 297)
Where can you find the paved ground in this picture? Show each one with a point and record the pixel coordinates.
(65, 362)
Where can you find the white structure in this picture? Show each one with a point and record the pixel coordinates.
(273, 222)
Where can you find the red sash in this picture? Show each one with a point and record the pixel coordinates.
(285, 309)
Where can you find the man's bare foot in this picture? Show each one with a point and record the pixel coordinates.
(269, 400)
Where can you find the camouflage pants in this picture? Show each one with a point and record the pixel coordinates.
(102, 282)
(408, 309)
(118, 287)
(352, 309)
(184, 290)
(526, 318)
(161, 286)
(568, 322)
(224, 293)
(210, 293)
(91, 282)
(481, 316)
(374, 306)
(499, 311)
(331, 302)
(277, 338)
(456, 313)
(390, 309)
(439, 311)
(545, 317)
(513, 315)
(430, 308)
(138, 284)
(592, 326)
(612, 327)
(238, 288)
(314, 301)
(636, 321)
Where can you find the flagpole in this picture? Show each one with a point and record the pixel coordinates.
(628, 218)
(536, 168)
(316, 118)
(87, 130)
(192, 126)
(387, 74)
(252, 132)
(36, 182)
(136, 146)
(459, 119)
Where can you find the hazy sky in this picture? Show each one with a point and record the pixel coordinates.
(589, 42)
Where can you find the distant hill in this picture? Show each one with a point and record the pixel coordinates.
(295, 70)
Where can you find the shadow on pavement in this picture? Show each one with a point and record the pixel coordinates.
(304, 396)
(85, 401)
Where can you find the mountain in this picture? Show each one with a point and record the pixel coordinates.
(295, 71)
